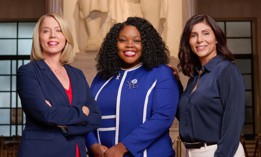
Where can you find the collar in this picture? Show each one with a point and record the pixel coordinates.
(133, 68)
(210, 65)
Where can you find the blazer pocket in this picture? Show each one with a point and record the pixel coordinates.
(39, 135)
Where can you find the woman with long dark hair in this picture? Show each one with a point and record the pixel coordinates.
(211, 109)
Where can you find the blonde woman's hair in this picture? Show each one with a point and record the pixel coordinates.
(67, 55)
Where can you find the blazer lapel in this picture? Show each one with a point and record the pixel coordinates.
(74, 83)
(53, 79)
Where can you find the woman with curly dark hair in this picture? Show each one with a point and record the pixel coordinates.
(136, 92)
(211, 109)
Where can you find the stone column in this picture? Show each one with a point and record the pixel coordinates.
(55, 6)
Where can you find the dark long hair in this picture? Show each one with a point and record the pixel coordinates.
(189, 60)
(154, 50)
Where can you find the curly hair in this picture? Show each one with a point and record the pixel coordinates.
(188, 59)
(154, 49)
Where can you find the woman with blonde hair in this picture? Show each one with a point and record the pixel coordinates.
(55, 96)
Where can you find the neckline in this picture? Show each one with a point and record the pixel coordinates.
(132, 68)
(70, 88)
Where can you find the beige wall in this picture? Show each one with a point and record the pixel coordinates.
(69, 8)
(239, 9)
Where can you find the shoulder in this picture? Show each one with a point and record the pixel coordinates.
(228, 67)
(162, 71)
(74, 70)
(228, 70)
(98, 80)
(26, 66)
(97, 83)
(31, 66)
(34, 65)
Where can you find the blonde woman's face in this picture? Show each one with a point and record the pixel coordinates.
(52, 40)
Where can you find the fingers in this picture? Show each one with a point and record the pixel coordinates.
(85, 110)
(48, 103)
(103, 148)
(98, 150)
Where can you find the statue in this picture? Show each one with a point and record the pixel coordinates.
(155, 11)
(92, 12)
(99, 15)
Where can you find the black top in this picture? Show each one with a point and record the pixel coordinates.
(214, 112)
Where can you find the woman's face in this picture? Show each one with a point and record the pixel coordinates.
(52, 39)
(203, 42)
(129, 46)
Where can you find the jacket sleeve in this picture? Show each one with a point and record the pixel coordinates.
(34, 106)
(233, 99)
(93, 123)
(91, 138)
(165, 100)
(94, 117)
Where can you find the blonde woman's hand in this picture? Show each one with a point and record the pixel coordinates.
(48, 103)
(85, 110)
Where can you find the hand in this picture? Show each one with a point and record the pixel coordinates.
(116, 151)
(98, 150)
(63, 129)
(85, 110)
(174, 70)
(48, 103)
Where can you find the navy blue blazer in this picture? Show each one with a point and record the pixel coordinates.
(42, 137)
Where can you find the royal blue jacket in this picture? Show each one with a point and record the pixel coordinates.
(138, 107)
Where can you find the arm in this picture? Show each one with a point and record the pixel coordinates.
(93, 145)
(175, 72)
(94, 118)
(90, 109)
(32, 96)
(165, 100)
(233, 99)
(116, 151)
